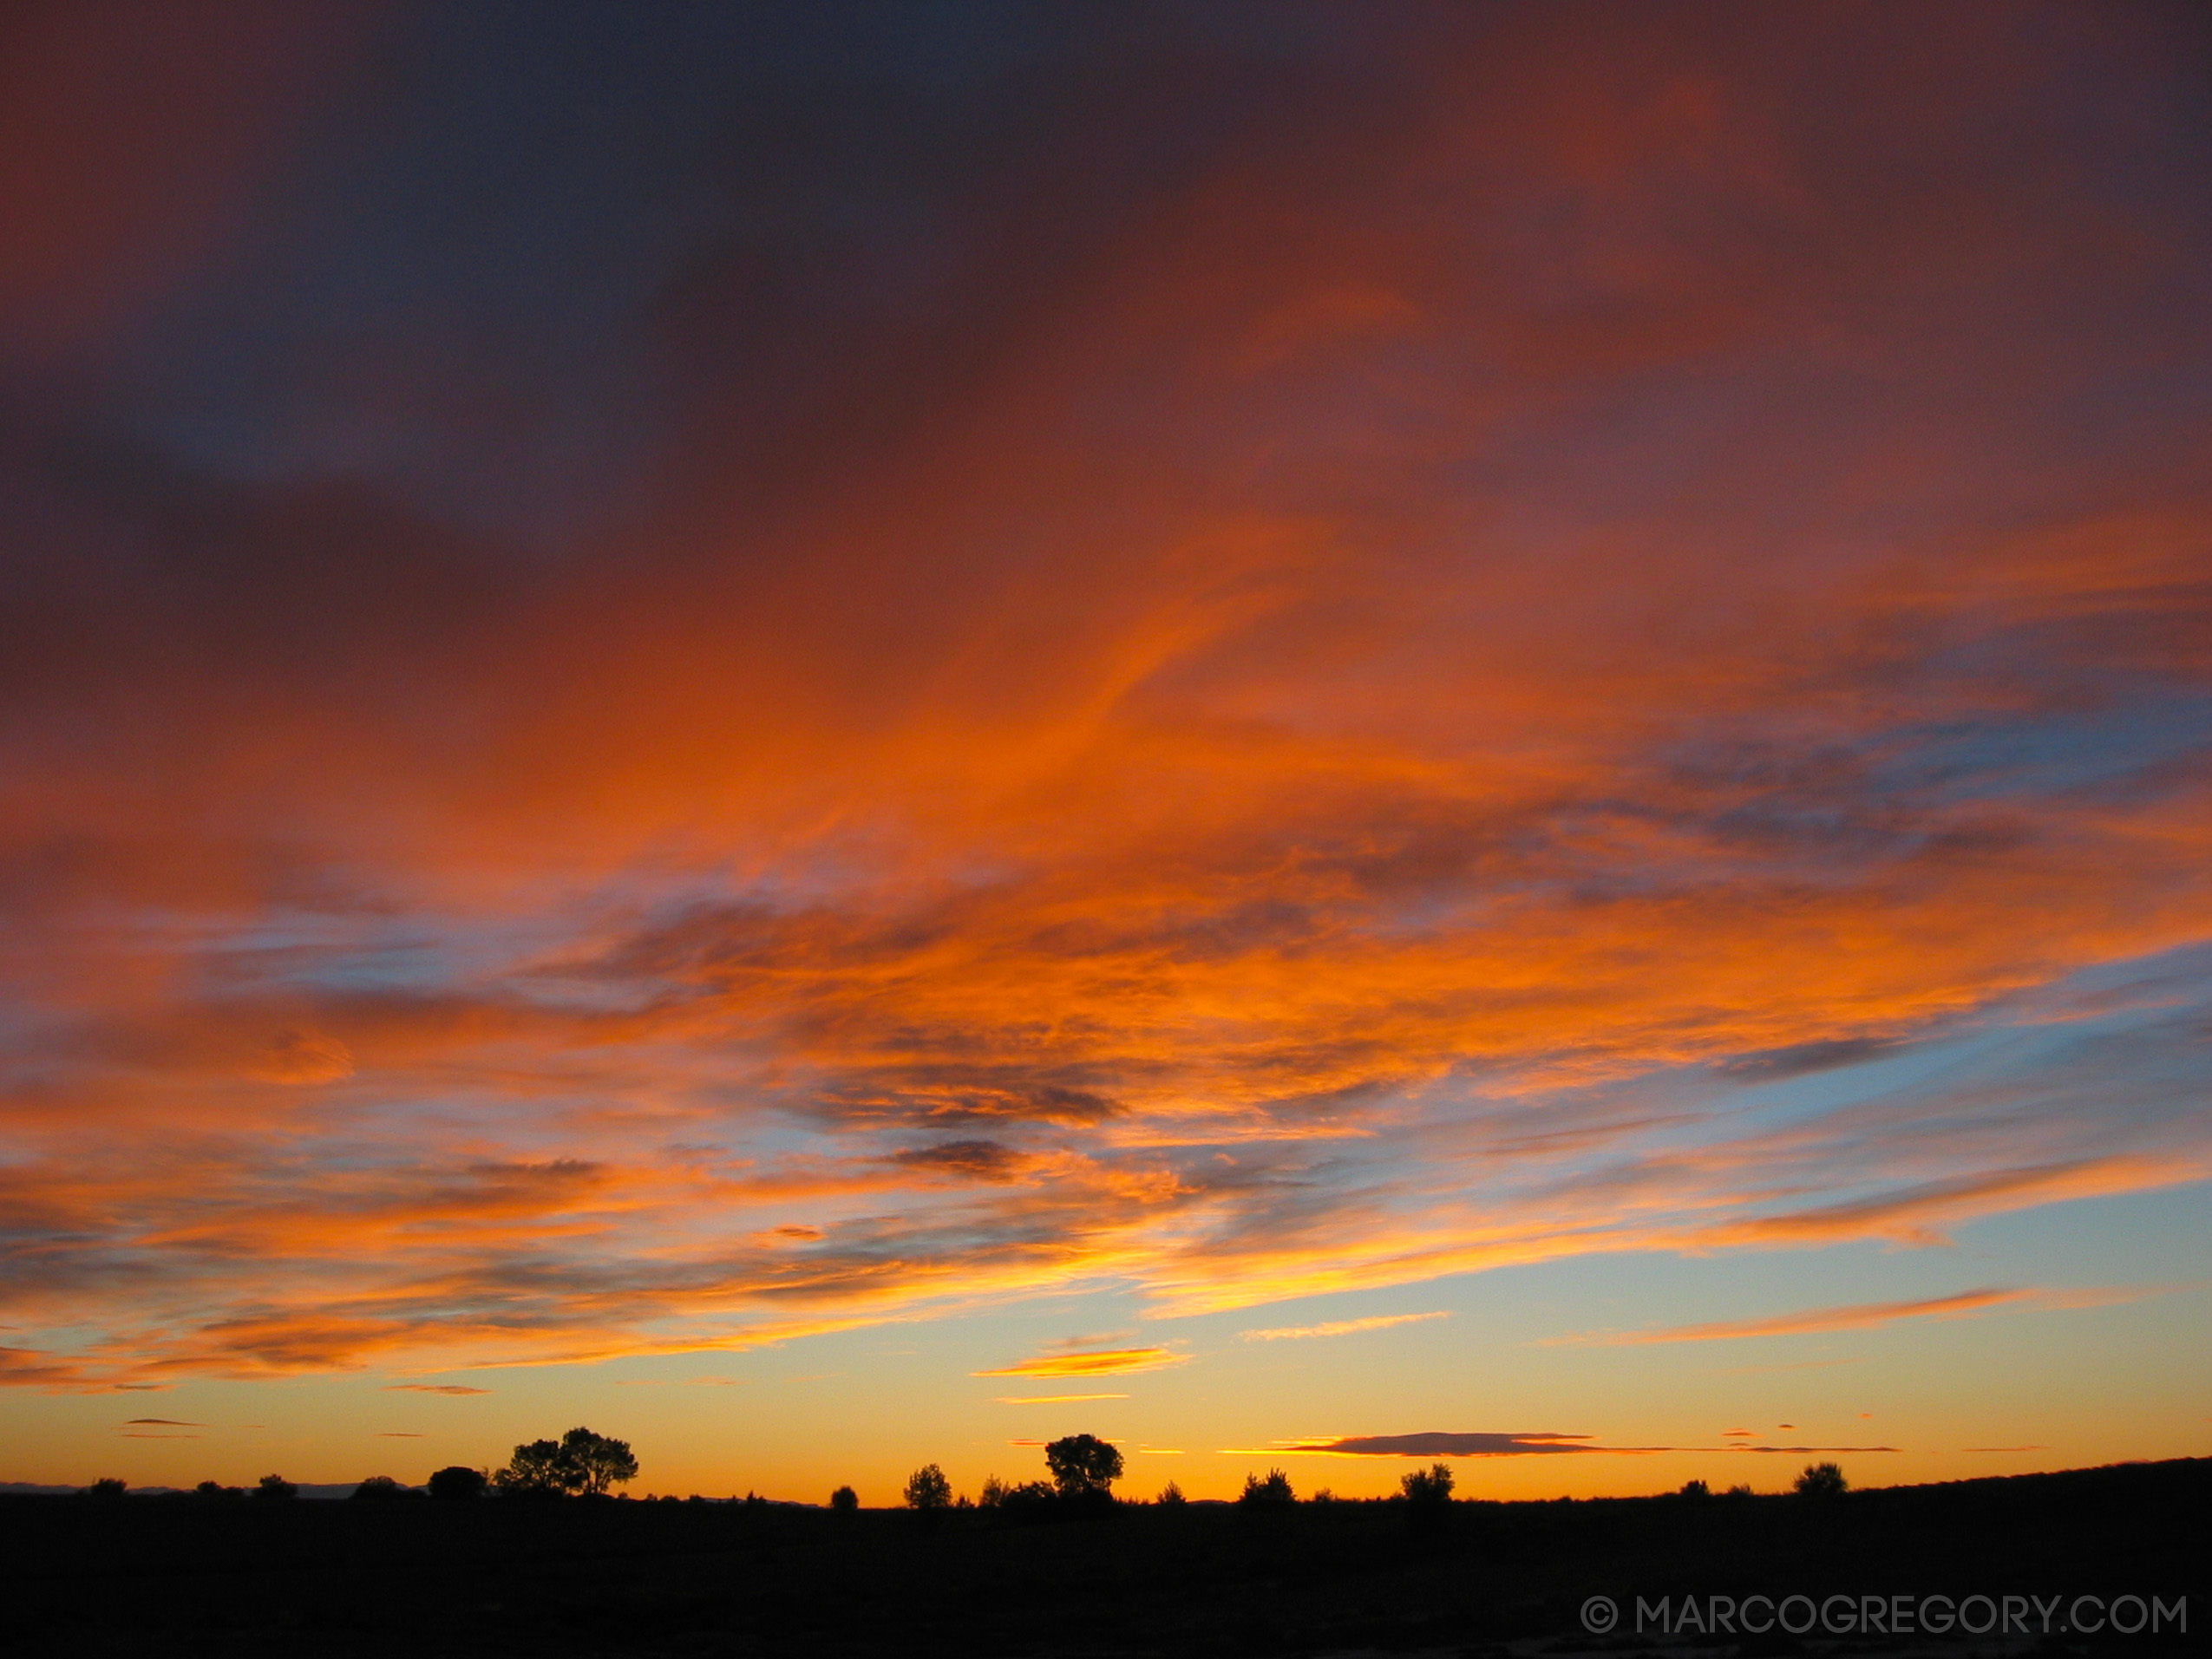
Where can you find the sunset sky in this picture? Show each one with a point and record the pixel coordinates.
(841, 737)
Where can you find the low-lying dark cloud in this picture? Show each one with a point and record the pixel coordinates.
(1521, 1445)
(1460, 1445)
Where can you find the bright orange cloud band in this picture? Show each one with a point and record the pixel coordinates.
(1108, 1362)
(1525, 647)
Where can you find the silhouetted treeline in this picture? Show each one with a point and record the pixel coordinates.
(178, 1575)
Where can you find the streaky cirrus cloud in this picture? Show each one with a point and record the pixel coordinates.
(433, 1387)
(1867, 1315)
(1858, 1316)
(1339, 1327)
(1114, 1361)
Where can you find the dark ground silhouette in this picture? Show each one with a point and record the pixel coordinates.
(189, 1575)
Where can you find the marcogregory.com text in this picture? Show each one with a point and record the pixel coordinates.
(1797, 1614)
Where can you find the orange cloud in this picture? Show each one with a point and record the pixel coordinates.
(1106, 1362)
(1908, 1214)
(1446, 681)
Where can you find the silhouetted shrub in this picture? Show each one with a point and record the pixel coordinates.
(217, 1489)
(275, 1486)
(1032, 1501)
(457, 1482)
(1428, 1496)
(1696, 1489)
(844, 1501)
(1427, 1488)
(1738, 1490)
(1822, 1481)
(1170, 1494)
(1272, 1493)
(382, 1488)
(107, 1487)
(928, 1489)
(1083, 1467)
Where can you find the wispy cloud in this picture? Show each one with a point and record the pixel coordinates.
(433, 1387)
(1339, 1327)
(1053, 1399)
(1113, 1361)
(1865, 1315)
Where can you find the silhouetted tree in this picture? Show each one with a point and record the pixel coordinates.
(1822, 1481)
(216, 1489)
(1084, 1465)
(382, 1488)
(275, 1486)
(1696, 1489)
(596, 1461)
(536, 1470)
(1262, 1494)
(458, 1481)
(844, 1501)
(1170, 1494)
(107, 1487)
(927, 1488)
(993, 1493)
(580, 1461)
(1739, 1491)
